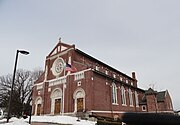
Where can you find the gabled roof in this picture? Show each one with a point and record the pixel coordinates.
(150, 91)
(161, 96)
(60, 47)
(100, 62)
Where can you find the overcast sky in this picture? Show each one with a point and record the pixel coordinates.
(138, 35)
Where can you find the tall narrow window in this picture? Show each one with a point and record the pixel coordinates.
(123, 95)
(114, 75)
(137, 100)
(121, 79)
(106, 72)
(114, 94)
(130, 98)
(127, 81)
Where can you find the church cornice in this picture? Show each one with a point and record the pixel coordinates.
(116, 80)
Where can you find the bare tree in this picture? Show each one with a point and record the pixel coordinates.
(22, 90)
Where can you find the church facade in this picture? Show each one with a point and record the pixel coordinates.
(74, 81)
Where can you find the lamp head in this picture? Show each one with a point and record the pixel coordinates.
(23, 52)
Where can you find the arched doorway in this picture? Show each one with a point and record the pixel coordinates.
(1, 113)
(56, 101)
(79, 97)
(38, 105)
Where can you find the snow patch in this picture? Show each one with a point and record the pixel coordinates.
(50, 119)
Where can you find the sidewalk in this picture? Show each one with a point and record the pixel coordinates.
(2, 122)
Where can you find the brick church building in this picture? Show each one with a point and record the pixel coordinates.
(75, 81)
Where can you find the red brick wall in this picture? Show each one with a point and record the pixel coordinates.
(161, 106)
(151, 103)
(168, 102)
(72, 87)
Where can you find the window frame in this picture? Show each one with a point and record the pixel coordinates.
(136, 99)
(123, 96)
(114, 94)
(131, 98)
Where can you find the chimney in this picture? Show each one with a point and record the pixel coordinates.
(133, 75)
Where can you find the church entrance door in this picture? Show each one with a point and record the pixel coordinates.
(80, 104)
(38, 109)
(57, 108)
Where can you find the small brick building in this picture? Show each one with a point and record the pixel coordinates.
(156, 101)
(75, 81)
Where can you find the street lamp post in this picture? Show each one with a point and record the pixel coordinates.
(30, 112)
(9, 104)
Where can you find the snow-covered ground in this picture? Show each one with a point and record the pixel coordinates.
(13, 121)
(51, 119)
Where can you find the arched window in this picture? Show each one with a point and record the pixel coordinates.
(1, 113)
(137, 100)
(130, 98)
(123, 95)
(114, 94)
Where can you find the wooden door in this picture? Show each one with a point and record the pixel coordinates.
(57, 108)
(80, 105)
(38, 109)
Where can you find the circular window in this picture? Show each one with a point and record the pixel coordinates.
(58, 66)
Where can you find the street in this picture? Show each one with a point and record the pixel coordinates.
(38, 123)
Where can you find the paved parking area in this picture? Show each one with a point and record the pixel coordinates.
(43, 124)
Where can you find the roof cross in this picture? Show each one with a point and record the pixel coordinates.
(59, 39)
